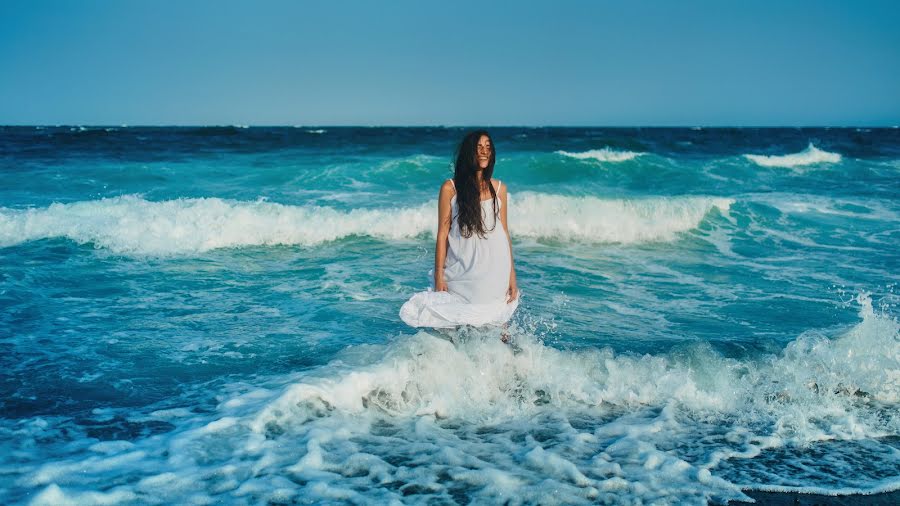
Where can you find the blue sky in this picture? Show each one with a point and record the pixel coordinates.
(450, 63)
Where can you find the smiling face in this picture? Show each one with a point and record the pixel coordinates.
(483, 152)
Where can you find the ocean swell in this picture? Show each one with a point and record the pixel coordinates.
(602, 155)
(476, 420)
(133, 226)
(593, 219)
(809, 156)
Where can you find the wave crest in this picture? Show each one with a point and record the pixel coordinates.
(133, 226)
(602, 155)
(816, 390)
(485, 421)
(809, 156)
(592, 219)
(410, 377)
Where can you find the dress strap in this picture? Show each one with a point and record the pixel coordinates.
(452, 183)
(499, 184)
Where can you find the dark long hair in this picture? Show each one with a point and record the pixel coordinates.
(468, 194)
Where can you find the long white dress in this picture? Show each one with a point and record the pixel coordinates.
(477, 276)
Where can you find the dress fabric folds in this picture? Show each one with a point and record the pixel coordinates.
(477, 276)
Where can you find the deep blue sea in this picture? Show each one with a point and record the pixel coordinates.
(210, 316)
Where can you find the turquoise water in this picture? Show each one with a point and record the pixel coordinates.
(209, 315)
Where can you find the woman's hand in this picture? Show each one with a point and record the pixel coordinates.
(512, 293)
(439, 284)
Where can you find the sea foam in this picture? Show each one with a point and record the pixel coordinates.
(816, 390)
(468, 416)
(602, 155)
(593, 219)
(133, 226)
(809, 156)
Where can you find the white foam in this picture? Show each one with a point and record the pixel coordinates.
(418, 162)
(809, 156)
(133, 226)
(53, 495)
(480, 379)
(592, 219)
(423, 419)
(885, 487)
(864, 209)
(602, 155)
(811, 392)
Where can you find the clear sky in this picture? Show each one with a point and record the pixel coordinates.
(537, 63)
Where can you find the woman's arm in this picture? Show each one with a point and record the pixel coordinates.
(513, 291)
(443, 232)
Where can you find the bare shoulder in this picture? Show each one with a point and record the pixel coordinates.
(448, 188)
(501, 187)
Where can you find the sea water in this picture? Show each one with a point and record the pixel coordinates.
(210, 316)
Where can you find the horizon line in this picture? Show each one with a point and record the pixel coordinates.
(248, 126)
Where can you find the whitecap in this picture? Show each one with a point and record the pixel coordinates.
(464, 415)
(594, 219)
(809, 156)
(134, 226)
(602, 155)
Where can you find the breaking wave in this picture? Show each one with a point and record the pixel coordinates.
(466, 418)
(602, 155)
(809, 156)
(133, 226)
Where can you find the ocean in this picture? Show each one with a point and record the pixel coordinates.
(210, 316)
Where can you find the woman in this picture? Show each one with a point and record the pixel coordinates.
(474, 280)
